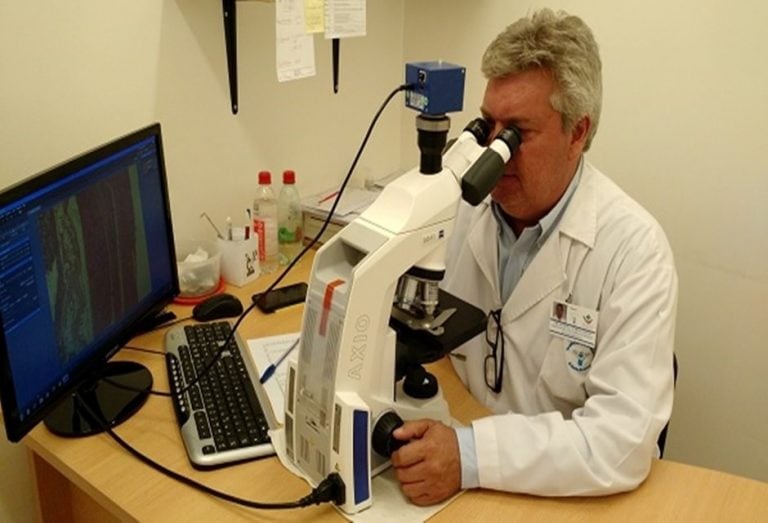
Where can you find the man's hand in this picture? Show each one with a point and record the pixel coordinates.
(429, 466)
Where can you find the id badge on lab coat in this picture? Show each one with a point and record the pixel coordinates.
(574, 323)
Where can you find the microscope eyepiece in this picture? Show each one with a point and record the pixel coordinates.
(480, 129)
(485, 173)
(511, 137)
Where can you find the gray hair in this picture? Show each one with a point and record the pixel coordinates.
(562, 44)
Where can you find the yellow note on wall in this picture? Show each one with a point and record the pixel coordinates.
(314, 16)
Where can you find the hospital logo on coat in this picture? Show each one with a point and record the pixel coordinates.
(579, 357)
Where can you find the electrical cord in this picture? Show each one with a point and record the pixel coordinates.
(331, 489)
(344, 183)
(135, 389)
(143, 349)
(170, 323)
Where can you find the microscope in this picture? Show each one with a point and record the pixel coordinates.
(375, 314)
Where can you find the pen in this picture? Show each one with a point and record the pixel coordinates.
(326, 198)
(229, 228)
(273, 367)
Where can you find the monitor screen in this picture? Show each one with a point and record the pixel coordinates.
(86, 256)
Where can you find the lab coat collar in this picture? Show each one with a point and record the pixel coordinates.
(580, 217)
(484, 247)
(546, 272)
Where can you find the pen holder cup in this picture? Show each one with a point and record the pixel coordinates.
(239, 260)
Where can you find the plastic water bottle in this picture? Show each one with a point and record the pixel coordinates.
(289, 220)
(265, 222)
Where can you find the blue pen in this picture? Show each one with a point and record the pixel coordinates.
(273, 367)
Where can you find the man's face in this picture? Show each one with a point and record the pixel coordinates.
(540, 171)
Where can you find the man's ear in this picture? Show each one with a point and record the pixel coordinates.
(579, 134)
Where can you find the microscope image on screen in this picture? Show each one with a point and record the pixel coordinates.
(96, 264)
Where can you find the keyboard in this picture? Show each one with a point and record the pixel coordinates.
(220, 416)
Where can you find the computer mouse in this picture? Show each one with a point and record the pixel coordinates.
(216, 307)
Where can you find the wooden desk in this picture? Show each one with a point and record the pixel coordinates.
(93, 479)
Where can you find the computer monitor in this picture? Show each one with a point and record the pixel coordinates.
(86, 259)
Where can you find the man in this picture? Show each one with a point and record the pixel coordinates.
(577, 402)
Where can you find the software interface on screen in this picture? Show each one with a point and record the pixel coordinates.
(80, 259)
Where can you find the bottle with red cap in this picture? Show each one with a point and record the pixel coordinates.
(289, 219)
(265, 222)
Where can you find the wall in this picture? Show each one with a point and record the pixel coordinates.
(685, 131)
(72, 77)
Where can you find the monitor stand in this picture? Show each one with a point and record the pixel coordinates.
(106, 399)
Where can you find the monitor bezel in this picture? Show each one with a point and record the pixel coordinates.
(17, 428)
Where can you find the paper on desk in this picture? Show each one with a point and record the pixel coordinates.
(379, 183)
(353, 199)
(265, 352)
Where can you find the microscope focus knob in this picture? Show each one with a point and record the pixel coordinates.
(383, 441)
(419, 383)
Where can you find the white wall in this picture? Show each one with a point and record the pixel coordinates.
(72, 76)
(684, 121)
(685, 131)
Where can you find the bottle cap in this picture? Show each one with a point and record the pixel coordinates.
(265, 178)
(289, 177)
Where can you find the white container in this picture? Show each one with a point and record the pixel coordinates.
(199, 266)
(239, 260)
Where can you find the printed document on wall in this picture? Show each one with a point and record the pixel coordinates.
(344, 18)
(295, 49)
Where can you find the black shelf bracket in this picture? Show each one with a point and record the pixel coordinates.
(230, 39)
(335, 58)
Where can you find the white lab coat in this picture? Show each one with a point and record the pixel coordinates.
(558, 431)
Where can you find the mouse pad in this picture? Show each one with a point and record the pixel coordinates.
(194, 300)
